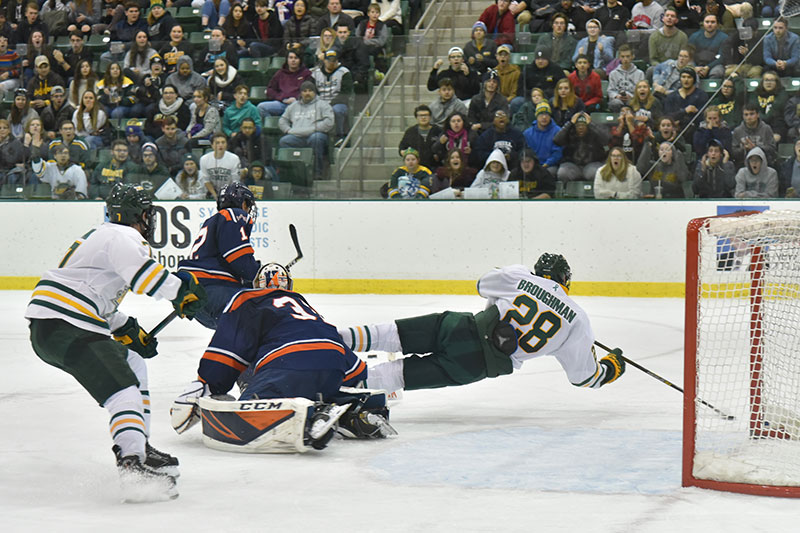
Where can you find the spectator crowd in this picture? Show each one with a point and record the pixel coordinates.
(175, 94)
(628, 99)
(647, 98)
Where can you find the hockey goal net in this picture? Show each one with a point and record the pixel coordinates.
(742, 353)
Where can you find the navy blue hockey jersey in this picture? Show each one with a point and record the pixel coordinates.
(222, 253)
(270, 328)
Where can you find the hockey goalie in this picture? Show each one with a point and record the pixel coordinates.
(291, 367)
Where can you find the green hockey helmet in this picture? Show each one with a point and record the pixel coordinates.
(129, 205)
(555, 267)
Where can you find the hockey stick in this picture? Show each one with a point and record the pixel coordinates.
(664, 381)
(296, 242)
(161, 325)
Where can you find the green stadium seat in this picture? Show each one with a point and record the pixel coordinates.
(42, 191)
(295, 166)
(254, 69)
(187, 14)
(752, 84)
(11, 192)
(521, 58)
(278, 191)
(258, 93)
(579, 189)
(791, 84)
(786, 150)
(98, 42)
(603, 118)
(198, 39)
(710, 85)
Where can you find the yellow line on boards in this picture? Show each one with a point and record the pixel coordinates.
(419, 286)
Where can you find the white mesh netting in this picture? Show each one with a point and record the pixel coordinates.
(789, 8)
(748, 349)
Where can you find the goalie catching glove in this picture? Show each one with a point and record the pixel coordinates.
(185, 412)
(191, 295)
(134, 338)
(614, 366)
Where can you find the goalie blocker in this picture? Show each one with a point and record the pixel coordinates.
(290, 425)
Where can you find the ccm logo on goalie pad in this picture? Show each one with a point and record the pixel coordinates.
(259, 406)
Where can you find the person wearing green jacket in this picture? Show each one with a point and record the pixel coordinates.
(238, 111)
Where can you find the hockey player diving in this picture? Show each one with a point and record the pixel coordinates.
(74, 314)
(277, 346)
(528, 314)
(222, 257)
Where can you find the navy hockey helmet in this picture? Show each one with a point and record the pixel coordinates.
(273, 276)
(234, 195)
(129, 205)
(555, 267)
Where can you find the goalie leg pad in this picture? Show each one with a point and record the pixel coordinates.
(256, 426)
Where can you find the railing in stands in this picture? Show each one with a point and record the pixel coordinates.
(394, 79)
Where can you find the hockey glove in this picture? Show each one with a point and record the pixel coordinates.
(191, 296)
(615, 365)
(133, 337)
(185, 412)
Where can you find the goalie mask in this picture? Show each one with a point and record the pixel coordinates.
(129, 205)
(273, 276)
(555, 267)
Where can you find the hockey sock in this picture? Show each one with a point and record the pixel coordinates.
(139, 367)
(386, 376)
(127, 425)
(382, 337)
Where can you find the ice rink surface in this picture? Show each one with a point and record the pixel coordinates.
(525, 452)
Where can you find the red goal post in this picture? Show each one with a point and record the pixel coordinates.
(742, 353)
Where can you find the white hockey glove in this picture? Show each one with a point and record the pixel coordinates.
(185, 412)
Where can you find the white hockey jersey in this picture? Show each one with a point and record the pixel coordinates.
(94, 276)
(547, 320)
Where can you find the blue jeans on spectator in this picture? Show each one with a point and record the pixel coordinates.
(15, 175)
(515, 104)
(258, 49)
(272, 108)
(95, 142)
(340, 117)
(318, 141)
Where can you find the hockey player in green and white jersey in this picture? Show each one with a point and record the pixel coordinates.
(73, 315)
(528, 314)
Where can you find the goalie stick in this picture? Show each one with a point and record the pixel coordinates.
(173, 315)
(296, 242)
(664, 381)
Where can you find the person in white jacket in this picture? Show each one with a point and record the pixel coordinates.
(493, 172)
(756, 179)
(618, 178)
(67, 180)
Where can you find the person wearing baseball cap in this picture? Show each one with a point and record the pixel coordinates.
(42, 82)
(465, 80)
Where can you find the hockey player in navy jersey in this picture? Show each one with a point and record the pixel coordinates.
(528, 314)
(282, 345)
(222, 257)
(73, 315)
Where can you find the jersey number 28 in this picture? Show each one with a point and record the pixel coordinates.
(531, 324)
